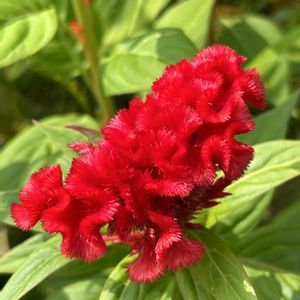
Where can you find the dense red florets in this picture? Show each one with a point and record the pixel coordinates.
(155, 167)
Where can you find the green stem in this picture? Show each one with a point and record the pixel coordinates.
(4, 244)
(83, 15)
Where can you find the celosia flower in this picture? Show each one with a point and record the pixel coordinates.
(154, 168)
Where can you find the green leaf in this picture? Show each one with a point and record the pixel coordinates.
(259, 39)
(165, 288)
(14, 258)
(33, 148)
(62, 58)
(244, 219)
(26, 27)
(134, 64)
(119, 19)
(189, 287)
(119, 287)
(289, 216)
(263, 132)
(249, 34)
(274, 70)
(6, 199)
(275, 245)
(78, 270)
(271, 247)
(192, 17)
(79, 280)
(270, 254)
(275, 163)
(219, 274)
(117, 282)
(41, 263)
(87, 289)
(270, 285)
(290, 44)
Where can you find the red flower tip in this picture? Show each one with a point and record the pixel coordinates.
(155, 167)
(77, 31)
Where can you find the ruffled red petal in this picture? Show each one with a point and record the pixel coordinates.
(145, 268)
(183, 253)
(80, 222)
(39, 193)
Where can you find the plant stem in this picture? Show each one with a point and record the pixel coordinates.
(4, 244)
(83, 15)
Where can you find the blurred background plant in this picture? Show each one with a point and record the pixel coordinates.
(76, 62)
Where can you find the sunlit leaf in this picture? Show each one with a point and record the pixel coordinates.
(26, 27)
(136, 63)
(43, 261)
(192, 17)
(14, 258)
(219, 274)
(263, 132)
(249, 34)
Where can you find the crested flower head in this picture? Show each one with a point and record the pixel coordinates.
(155, 167)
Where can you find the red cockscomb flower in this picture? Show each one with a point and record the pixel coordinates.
(154, 168)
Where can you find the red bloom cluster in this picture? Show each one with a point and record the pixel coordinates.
(155, 167)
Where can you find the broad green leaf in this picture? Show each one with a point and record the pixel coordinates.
(6, 199)
(273, 64)
(275, 245)
(275, 163)
(26, 27)
(189, 286)
(43, 261)
(193, 17)
(152, 8)
(219, 274)
(270, 254)
(118, 287)
(263, 132)
(289, 216)
(118, 281)
(249, 34)
(290, 43)
(274, 70)
(119, 19)
(79, 280)
(271, 247)
(134, 64)
(244, 219)
(13, 259)
(33, 148)
(270, 285)
(165, 288)
(78, 270)
(87, 289)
